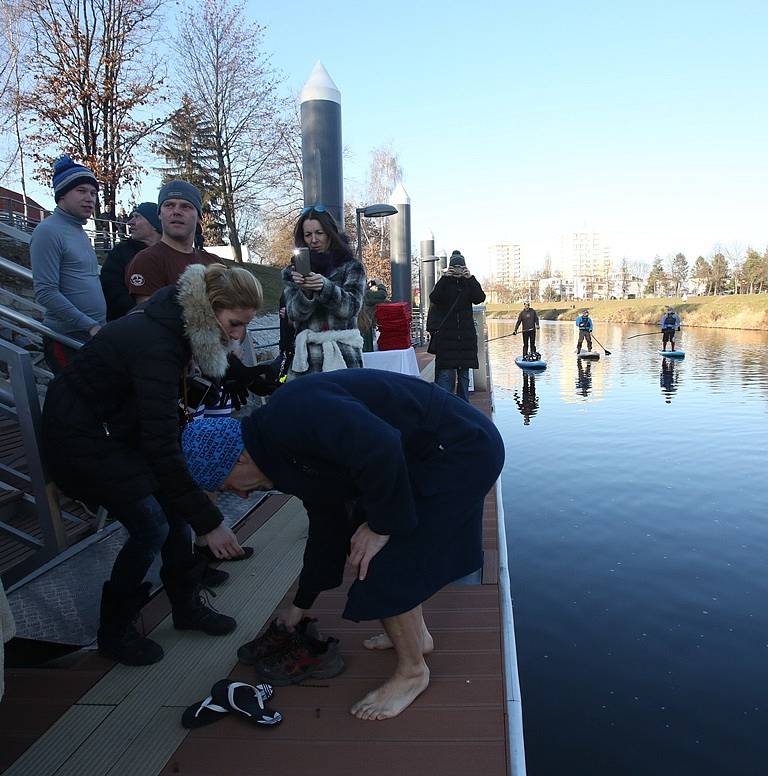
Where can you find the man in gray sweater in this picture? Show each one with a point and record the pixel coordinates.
(64, 266)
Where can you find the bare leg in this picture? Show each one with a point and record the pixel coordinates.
(411, 676)
(382, 641)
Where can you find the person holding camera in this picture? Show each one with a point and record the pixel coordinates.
(451, 326)
(110, 436)
(324, 291)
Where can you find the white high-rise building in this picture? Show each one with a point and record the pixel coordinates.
(506, 263)
(586, 260)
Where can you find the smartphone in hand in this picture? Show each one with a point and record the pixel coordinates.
(301, 261)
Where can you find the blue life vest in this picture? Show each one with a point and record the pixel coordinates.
(584, 323)
(670, 322)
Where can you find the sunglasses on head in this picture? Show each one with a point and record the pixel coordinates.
(317, 208)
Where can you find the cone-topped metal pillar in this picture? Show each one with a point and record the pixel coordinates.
(321, 143)
(400, 242)
(428, 260)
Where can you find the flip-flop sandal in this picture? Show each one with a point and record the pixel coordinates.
(206, 712)
(247, 701)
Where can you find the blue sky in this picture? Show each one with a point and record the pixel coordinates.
(518, 121)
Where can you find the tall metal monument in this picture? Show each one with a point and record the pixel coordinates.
(400, 241)
(321, 143)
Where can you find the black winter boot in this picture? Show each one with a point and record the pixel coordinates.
(211, 577)
(188, 603)
(117, 636)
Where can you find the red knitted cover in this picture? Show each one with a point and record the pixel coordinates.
(394, 322)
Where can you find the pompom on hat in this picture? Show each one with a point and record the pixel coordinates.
(67, 175)
(211, 447)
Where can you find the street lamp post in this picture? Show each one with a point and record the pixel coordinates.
(369, 211)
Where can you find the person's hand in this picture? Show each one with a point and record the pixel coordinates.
(514, 333)
(94, 330)
(313, 282)
(291, 617)
(466, 273)
(364, 547)
(223, 543)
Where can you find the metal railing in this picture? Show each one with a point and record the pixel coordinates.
(22, 404)
(104, 233)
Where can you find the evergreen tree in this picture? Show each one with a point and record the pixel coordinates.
(657, 278)
(188, 149)
(679, 271)
(702, 271)
(718, 272)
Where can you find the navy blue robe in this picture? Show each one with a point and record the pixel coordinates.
(409, 458)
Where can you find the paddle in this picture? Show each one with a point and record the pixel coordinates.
(647, 334)
(607, 352)
(493, 339)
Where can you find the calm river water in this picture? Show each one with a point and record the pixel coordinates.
(635, 494)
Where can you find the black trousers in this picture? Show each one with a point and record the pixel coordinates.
(529, 341)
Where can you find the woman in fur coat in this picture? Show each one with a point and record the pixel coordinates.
(110, 436)
(323, 305)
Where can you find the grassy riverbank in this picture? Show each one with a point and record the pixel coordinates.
(745, 311)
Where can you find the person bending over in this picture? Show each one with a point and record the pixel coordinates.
(393, 471)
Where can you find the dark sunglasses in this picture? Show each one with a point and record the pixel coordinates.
(317, 208)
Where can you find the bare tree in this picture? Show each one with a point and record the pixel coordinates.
(233, 80)
(94, 73)
(12, 86)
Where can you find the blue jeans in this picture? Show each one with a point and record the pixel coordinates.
(150, 531)
(447, 378)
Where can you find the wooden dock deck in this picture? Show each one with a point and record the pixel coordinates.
(88, 717)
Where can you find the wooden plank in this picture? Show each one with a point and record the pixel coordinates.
(61, 741)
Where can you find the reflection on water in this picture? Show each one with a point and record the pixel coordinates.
(584, 380)
(528, 404)
(669, 378)
(639, 570)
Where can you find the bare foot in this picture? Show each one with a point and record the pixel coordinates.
(382, 641)
(394, 696)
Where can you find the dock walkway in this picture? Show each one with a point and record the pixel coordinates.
(88, 717)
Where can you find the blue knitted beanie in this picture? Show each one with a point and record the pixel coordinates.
(149, 211)
(67, 174)
(211, 447)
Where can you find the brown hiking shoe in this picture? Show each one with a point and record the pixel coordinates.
(275, 639)
(306, 658)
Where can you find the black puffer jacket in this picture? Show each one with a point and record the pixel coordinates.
(110, 421)
(456, 338)
(112, 277)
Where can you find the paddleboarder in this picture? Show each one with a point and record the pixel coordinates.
(670, 323)
(529, 320)
(584, 325)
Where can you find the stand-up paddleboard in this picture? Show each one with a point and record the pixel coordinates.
(523, 364)
(672, 353)
(588, 354)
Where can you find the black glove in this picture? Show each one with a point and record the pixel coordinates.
(239, 379)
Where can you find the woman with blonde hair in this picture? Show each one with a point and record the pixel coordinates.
(111, 428)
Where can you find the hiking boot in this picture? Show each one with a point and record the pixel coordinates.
(189, 605)
(117, 636)
(275, 640)
(306, 658)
